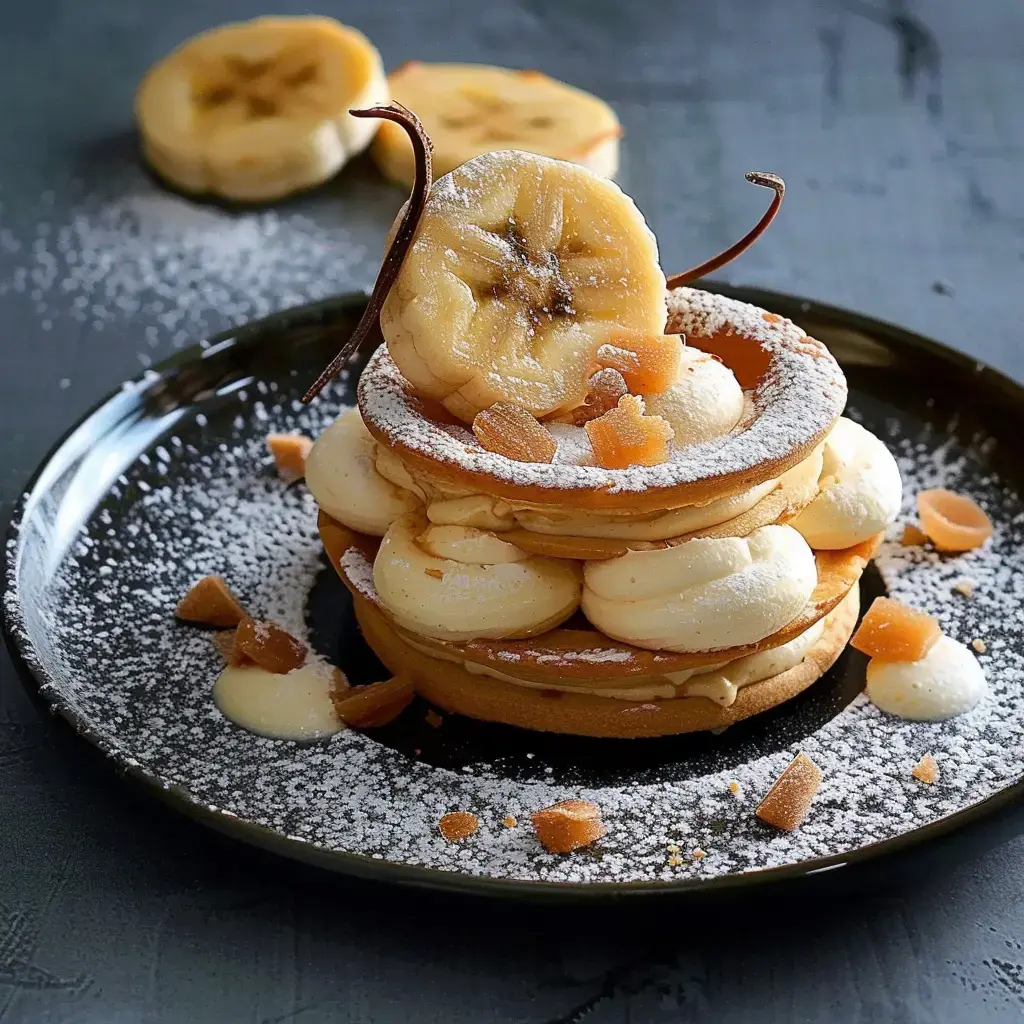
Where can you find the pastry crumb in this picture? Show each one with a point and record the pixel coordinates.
(698, 854)
(675, 861)
(290, 452)
(433, 719)
(369, 707)
(434, 573)
(965, 587)
(509, 821)
(568, 825)
(672, 848)
(458, 825)
(209, 602)
(786, 804)
(979, 645)
(926, 770)
(735, 788)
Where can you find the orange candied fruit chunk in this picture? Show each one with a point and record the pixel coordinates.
(510, 430)
(953, 522)
(369, 707)
(604, 389)
(289, 452)
(269, 646)
(210, 603)
(568, 825)
(624, 436)
(457, 825)
(891, 631)
(649, 363)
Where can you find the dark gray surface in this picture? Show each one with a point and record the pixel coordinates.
(900, 132)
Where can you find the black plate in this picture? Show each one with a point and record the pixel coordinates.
(166, 480)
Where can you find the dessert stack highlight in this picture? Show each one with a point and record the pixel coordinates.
(573, 499)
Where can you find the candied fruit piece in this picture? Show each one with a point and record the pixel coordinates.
(457, 825)
(210, 603)
(648, 363)
(368, 707)
(926, 770)
(568, 825)
(289, 451)
(913, 536)
(624, 436)
(269, 646)
(953, 522)
(786, 804)
(604, 389)
(510, 430)
(891, 631)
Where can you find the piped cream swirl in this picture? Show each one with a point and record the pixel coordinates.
(461, 583)
(703, 594)
(342, 475)
(860, 490)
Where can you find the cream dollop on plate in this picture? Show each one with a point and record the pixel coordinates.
(294, 705)
(946, 682)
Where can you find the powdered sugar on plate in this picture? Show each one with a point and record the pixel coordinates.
(101, 634)
(185, 268)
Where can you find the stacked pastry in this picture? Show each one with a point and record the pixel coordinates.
(572, 501)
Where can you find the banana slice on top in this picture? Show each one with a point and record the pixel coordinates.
(520, 268)
(256, 110)
(469, 109)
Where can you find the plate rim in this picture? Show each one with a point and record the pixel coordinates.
(30, 671)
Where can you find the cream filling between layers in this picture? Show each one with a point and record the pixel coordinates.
(860, 490)
(459, 583)
(664, 525)
(342, 476)
(703, 594)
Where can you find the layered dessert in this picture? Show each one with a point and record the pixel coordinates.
(575, 497)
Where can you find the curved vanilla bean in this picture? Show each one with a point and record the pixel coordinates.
(765, 180)
(400, 244)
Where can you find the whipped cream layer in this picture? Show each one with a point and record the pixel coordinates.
(342, 475)
(703, 594)
(946, 682)
(705, 402)
(860, 490)
(461, 583)
(665, 525)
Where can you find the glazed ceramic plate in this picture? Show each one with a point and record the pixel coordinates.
(169, 479)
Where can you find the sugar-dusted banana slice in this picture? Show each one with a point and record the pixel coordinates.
(469, 109)
(255, 110)
(520, 268)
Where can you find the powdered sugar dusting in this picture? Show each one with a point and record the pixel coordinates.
(801, 397)
(186, 269)
(103, 634)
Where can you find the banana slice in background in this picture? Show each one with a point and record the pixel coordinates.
(521, 267)
(256, 110)
(469, 109)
